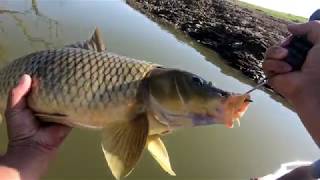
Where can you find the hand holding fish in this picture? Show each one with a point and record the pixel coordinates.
(32, 144)
(301, 88)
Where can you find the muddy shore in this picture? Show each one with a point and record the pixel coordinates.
(239, 35)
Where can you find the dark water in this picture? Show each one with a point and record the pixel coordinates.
(270, 133)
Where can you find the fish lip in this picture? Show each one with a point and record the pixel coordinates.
(235, 106)
(248, 100)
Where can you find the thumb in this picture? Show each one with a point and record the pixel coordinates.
(16, 99)
(20, 121)
(311, 29)
(285, 84)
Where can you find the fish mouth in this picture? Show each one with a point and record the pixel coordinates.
(229, 111)
(233, 108)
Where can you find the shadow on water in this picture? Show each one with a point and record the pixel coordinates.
(17, 16)
(214, 58)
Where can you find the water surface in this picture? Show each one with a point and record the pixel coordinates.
(270, 133)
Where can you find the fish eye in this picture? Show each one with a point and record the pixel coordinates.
(198, 81)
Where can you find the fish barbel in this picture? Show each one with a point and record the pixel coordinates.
(132, 102)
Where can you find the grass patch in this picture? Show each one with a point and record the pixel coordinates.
(276, 14)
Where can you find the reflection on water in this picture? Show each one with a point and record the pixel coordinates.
(29, 37)
(270, 133)
(2, 51)
(18, 17)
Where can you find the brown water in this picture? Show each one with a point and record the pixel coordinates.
(270, 133)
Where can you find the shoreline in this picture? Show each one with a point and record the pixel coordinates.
(239, 35)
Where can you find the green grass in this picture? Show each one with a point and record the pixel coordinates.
(276, 14)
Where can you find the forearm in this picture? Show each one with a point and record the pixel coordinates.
(309, 113)
(29, 163)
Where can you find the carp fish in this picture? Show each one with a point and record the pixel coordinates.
(132, 102)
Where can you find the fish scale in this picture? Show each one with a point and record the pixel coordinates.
(71, 78)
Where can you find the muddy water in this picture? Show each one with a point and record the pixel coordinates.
(270, 133)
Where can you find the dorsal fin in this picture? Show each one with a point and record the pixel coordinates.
(95, 43)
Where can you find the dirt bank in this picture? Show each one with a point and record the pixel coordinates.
(238, 34)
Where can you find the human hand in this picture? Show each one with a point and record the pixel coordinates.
(301, 88)
(297, 85)
(32, 143)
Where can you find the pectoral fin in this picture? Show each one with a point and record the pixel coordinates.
(95, 43)
(159, 152)
(123, 144)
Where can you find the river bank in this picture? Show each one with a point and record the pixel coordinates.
(240, 35)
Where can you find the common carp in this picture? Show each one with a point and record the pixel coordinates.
(132, 102)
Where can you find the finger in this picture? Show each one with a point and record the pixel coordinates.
(52, 135)
(57, 131)
(16, 99)
(286, 42)
(20, 121)
(312, 59)
(275, 67)
(286, 84)
(276, 52)
(311, 29)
